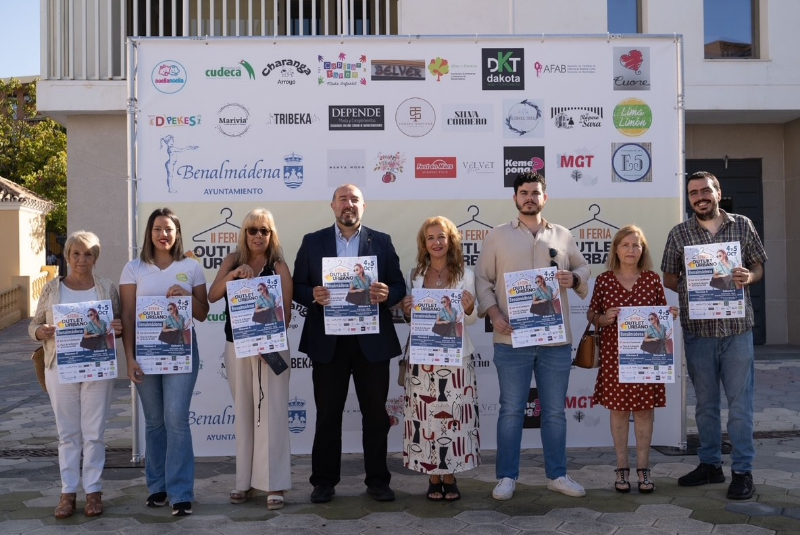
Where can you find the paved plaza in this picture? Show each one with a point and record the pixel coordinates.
(30, 484)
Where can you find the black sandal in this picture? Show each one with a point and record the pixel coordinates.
(451, 488)
(645, 485)
(622, 485)
(435, 488)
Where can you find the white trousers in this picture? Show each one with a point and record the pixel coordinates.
(81, 410)
(263, 452)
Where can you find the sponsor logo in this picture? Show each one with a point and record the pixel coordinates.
(227, 73)
(461, 72)
(467, 118)
(518, 160)
(533, 411)
(398, 70)
(172, 121)
(633, 117)
(347, 166)
(233, 120)
(415, 117)
(297, 415)
(435, 167)
(286, 69)
(631, 69)
(293, 170)
(169, 77)
(523, 118)
(593, 237)
(226, 417)
(543, 69)
(478, 167)
(390, 164)
(297, 118)
(439, 67)
(631, 162)
(174, 156)
(341, 71)
(567, 118)
(355, 118)
(580, 166)
(503, 69)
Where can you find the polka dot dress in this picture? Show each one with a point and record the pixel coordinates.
(608, 392)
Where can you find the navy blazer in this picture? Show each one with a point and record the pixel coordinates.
(308, 274)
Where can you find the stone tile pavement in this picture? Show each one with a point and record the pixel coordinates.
(30, 486)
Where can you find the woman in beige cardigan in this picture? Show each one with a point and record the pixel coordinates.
(80, 408)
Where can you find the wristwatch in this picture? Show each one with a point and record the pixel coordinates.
(576, 280)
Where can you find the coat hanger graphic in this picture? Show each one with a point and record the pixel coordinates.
(197, 238)
(474, 217)
(594, 218)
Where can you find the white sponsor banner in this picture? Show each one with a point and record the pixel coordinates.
(233, 124)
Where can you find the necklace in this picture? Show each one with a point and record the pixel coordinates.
(438, 275)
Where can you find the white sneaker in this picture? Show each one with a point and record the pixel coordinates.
(566, 485)
(505, 489)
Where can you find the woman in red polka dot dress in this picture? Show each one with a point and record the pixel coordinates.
(629, 281)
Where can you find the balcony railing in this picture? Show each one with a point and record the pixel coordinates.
(85, 39)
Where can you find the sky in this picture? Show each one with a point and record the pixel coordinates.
(19, 38)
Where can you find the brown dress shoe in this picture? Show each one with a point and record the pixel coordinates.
(66, 506)
(94, 504)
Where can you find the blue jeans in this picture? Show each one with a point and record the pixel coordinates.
(550, 365)
(169, 465)
(727, 360)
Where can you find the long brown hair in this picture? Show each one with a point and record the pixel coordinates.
(149, 249)
(252, 219)
(455, 257)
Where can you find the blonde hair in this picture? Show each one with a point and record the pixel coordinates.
(274, 249)
(645, 262)
(85, 238)
(455, 257)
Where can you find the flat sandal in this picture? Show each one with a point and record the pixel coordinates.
(646, 486)
(66, 506)
(622, 484)
(94, 504)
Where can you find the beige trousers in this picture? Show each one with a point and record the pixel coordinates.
(263, 453)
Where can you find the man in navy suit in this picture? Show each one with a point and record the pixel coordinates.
(335, 358)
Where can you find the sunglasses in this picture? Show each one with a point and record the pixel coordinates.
(252, 231)
(553, 254)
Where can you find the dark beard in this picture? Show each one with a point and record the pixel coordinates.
(534, 211)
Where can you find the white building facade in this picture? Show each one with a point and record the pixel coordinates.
(741, 80)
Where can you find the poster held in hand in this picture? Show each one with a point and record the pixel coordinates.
(348, 279)
(164, 334)
(85, 344)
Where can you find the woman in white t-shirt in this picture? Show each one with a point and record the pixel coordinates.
(162, 270)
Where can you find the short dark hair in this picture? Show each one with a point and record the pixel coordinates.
(524, 178)
(702, 175)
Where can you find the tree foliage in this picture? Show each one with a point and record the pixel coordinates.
(33, 151)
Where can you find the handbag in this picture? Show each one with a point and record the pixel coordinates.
(358, 298)
(172, 338)
(264, 316)
(656, 347)
(721, 283)
(543, 309)
(38, 366)
(588, 354)
(403, 363)
(92, 343)
(444, 329)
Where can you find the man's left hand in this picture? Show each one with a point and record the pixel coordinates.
(564, 278)
(741, 276)
(378, 293)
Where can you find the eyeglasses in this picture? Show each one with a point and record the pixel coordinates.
(553, 253)
(252, 231)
